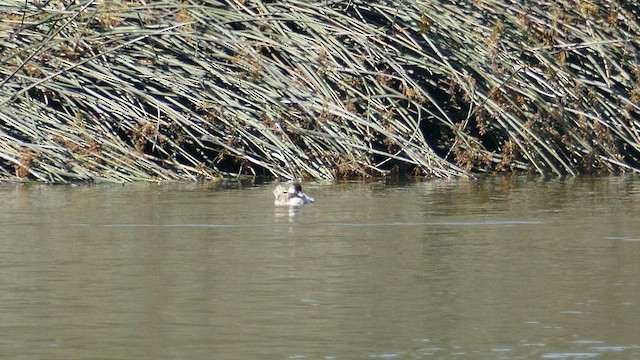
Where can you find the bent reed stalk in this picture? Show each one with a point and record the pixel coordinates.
(164, 90)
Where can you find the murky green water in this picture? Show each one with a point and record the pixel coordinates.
(500, 268)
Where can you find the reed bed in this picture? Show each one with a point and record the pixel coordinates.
(171, 90)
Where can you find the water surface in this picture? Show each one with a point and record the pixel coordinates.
(497, 268)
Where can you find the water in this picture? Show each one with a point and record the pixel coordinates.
(502, 268)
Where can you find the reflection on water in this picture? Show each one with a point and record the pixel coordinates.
(498, 268)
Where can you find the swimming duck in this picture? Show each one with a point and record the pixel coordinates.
(292, 196)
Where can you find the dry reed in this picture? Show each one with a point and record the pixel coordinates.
(164, 90)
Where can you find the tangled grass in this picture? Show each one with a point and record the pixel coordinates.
(97, 90)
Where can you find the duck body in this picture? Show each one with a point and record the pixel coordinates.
(291, 196)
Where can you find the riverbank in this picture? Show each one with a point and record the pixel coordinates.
(167, 90)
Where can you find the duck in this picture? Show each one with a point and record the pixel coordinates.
(291, 196)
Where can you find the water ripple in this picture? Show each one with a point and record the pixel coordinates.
(330, 224)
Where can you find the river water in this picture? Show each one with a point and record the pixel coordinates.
(499, 268)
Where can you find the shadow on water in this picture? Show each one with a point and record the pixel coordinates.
(497, 268)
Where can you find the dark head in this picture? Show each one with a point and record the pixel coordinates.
(295, 188)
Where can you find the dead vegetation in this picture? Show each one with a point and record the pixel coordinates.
(166, 90)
